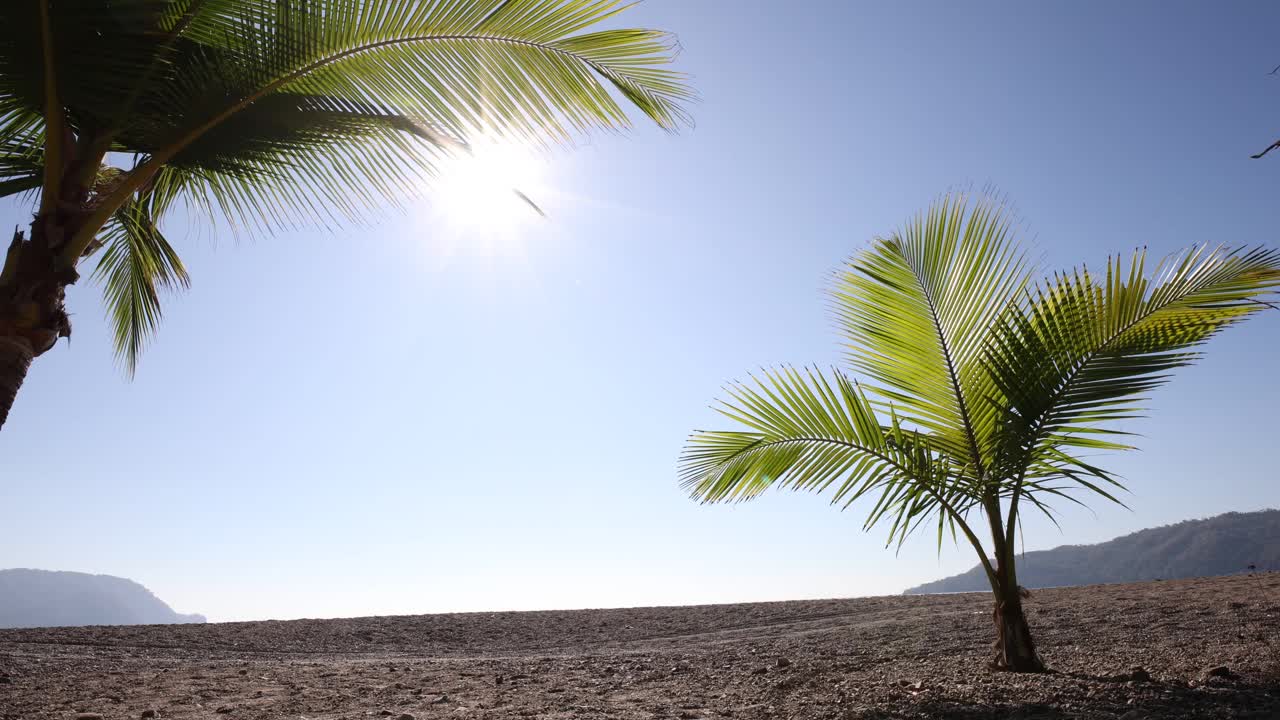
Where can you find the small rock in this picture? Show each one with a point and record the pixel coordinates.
(444, 698)
(244, 672)
(406, 716)
(760, 671)
(1139, 674)
(5, 679)
(385, 712)
(223, 710)
(89, 716)
(499, 680)
(783, 662)
(1218, 671)
(148, 714)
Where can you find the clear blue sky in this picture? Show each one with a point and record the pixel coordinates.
(396, 419)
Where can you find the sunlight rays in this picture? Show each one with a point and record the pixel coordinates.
(487, 196)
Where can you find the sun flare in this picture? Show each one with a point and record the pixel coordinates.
(490, 189)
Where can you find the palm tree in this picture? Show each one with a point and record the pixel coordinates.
(268, 112)
(985, 388)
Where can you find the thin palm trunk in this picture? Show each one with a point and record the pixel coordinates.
(1015, 649)
(15, 359)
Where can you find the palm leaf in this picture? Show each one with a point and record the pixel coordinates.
(517, 69)
(270, 113)
(810, 432)
(1084, 352)
(136, 263)
(914, 310)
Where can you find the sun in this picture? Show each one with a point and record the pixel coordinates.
(490, 189)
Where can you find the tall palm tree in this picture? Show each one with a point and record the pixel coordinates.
(265, 112)
(985, 387)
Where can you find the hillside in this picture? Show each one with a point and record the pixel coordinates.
(44, 598)
(1222, 545)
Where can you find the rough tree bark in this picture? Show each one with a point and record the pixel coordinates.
(32, 311)
(15, 358)
(1015, 650)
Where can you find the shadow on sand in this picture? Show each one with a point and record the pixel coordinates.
(1237, 699)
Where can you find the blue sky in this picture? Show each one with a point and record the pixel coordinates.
(410, 417)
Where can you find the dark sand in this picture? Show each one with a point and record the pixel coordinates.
(885, 657)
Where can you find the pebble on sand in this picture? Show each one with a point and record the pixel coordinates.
(1218, 671)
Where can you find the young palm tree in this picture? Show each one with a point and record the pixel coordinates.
(984, 386)
(264, 112)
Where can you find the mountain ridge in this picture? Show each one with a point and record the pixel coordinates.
(60, 598)
(1220, 545)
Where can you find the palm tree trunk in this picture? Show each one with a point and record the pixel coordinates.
(15, 358)
(32, 305)
(1015, 650)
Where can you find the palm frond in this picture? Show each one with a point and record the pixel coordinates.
(915, 309)
(517, 69)
(275, 113)
(291, 157)
(1084, 351)
(19, 172)
(135, 265)
(100, 50)
(21, 149)
(810, 432)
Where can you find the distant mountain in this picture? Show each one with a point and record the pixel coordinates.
(43, 598)
(1221, 545)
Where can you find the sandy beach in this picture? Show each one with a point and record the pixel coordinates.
(1205, 648)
